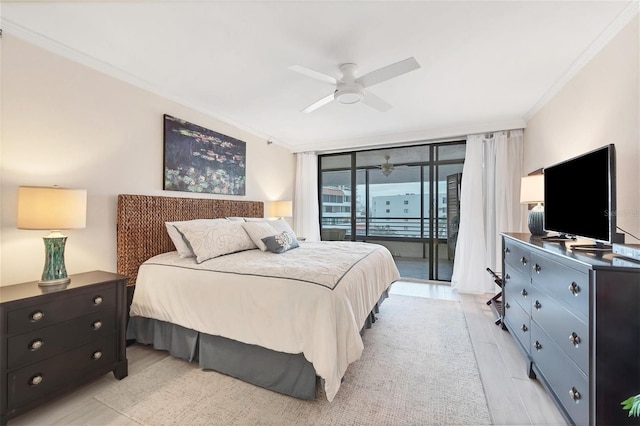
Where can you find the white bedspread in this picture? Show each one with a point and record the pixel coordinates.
(312, 300)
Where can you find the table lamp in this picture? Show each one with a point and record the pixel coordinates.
(281, 209)
(53, 209)
(532, 192)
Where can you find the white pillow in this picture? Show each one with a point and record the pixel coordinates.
(255, 219)
(259, 230)
(209, 241)
(178, 239)
(235, 218)
(281, 225)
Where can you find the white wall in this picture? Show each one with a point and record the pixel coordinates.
(66, 124)
(600, 105)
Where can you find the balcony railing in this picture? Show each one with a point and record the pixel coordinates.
(387, 227)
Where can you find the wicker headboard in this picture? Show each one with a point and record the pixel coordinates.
(141, 232)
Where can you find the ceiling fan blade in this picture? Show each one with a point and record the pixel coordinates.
(313, 74)
(314, 106)
(376, 102)
(388, 72)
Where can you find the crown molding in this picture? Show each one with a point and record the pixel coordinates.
(623, 18)
(75, 55)
(404, 138)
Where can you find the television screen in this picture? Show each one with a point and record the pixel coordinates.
(579, 196)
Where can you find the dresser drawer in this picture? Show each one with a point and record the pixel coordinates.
(37, 345)
(518, 322)
(43, 378)
(567, 285)
(517, 256)
(566, 380)
(40, 315)
(570, 333)
(517, 287)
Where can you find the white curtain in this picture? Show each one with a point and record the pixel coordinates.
(305, 198)
(489, 205)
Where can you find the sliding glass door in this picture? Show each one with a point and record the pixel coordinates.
(397, 197)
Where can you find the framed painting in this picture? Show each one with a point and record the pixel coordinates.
(197, 159)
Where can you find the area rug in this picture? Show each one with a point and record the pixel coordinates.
(418, 368)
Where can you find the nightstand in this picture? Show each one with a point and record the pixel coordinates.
(53, 340)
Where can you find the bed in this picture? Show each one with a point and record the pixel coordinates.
(288, 321)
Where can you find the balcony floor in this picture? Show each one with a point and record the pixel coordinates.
(418, 269)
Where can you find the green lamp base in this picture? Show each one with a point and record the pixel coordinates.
(54, 272)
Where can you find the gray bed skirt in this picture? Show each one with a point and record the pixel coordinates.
(289, 374)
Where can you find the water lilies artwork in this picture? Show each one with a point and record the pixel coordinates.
(197, 159)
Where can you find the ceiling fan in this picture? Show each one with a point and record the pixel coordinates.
(350, 89)
(386, 168)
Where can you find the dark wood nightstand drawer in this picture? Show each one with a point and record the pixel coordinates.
(48, 313)
(35, 346)
(567, 285)
(55, 340)
(34, 381)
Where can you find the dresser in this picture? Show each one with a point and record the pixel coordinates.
(54, 339)
(576, 316)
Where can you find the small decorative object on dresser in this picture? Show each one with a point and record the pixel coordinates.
(532, 192)
(54, 340)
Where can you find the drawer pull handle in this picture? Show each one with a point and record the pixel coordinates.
(506, 250)
(537, 345)
(524, 293)
(524, 328)
(507, 277)
(574, 288)
(97, 300)
(574, 394)
(97, 325)
(35, 380)
(537, 305)
(96, 355)
(36, 316)
(575, 339)
(537, 268)
(36, 344)
(507, 306)
(523, 260)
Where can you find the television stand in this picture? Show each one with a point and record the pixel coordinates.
(560, 238)
(591, 247)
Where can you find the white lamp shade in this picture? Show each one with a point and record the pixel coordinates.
(51, 208)
(532, 189)
(281, 209)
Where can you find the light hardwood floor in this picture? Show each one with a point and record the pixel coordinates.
(513, 398)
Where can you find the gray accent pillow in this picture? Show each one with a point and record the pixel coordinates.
(281, 242)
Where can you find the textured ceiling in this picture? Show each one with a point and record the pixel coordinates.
(484, 65)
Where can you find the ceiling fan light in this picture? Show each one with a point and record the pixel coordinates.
(349, 96)
(386, 168)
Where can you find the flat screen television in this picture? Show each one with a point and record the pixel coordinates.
(580, 196)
